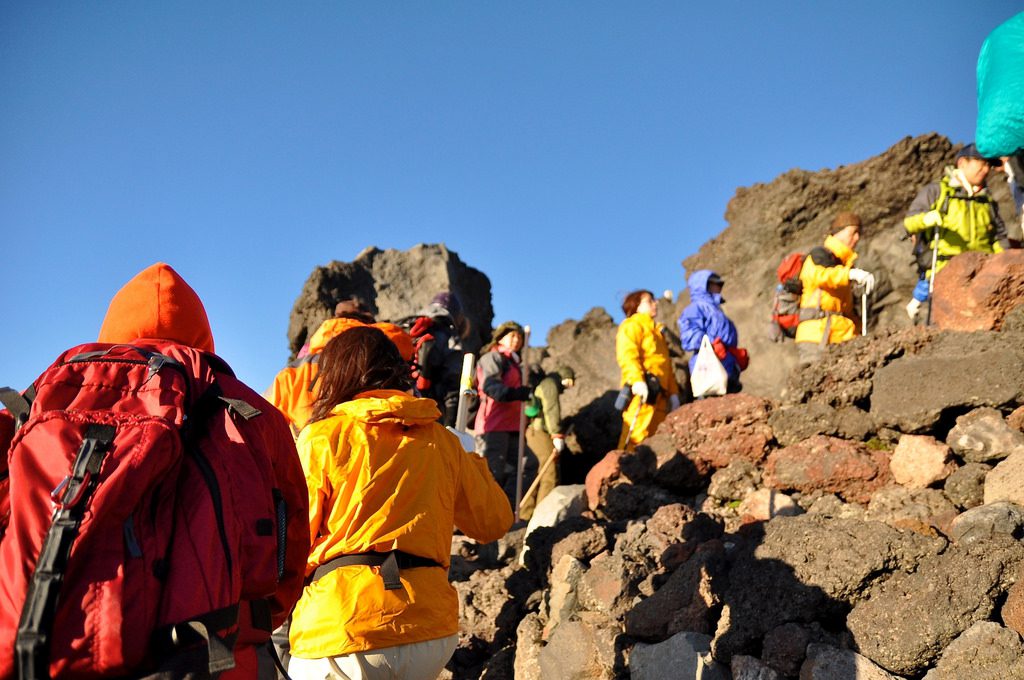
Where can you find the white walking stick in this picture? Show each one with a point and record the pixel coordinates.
(465, 392)
(521, 457)
(864, 313)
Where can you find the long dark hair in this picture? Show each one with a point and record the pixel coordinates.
(632, 301)
(357, 360)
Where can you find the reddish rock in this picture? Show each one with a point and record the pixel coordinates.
(1016, 419)
(975, 291)
(1012, 611)
(636, 466)
(714, 432)
(848, 469)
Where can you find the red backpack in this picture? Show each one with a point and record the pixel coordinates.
(158, 518)
(786, 300)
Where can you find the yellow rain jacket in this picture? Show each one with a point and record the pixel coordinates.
(293, 391)
(384, 475)
(640, 347)
(827, 288)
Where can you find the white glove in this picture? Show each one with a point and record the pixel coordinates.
(466, 439)
(639, 389)
(933, 218)
(865, 279)
(673, 402)
(559, 444)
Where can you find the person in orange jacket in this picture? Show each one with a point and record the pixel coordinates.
(386, 483)
(294, 387)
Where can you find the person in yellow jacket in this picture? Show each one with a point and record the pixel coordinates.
(641, 351)
(828, 276)
(294, 387)
(387, 483)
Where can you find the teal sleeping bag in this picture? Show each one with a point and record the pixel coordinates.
(1000, 129)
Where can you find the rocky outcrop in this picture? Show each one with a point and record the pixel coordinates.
(395, 284)
(975, 291)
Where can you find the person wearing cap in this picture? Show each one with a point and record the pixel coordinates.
(643, 358)
(502, 390)
(438, 331)
(294, 388)
(544, 435)
(828, 277)
(960, 211)
(704, 316)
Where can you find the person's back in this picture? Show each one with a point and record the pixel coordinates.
(828, 276)
(384, 478)
(192, 461)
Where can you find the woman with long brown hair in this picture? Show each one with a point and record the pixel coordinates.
(387, 484)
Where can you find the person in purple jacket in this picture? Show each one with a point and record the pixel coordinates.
(704, 316)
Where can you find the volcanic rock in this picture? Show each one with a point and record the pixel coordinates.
(986, 521)
(851, 470)
(919, 461)
(579, 650)
(794, 423)
(684, 655)
(975, 291)
(749, 668)
(395, 285)
(984, 436)
(829, 663)
(1005, 482)
(926, 511)
(908, 619)
(985, 651)
(965, 486)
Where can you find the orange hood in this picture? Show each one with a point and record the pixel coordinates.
(157, 304)
(333, 327)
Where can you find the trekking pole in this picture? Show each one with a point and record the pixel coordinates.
(629, 433)
(536, 483)
(465, 392)
(931, 276)
(864, 313)
(521, 457)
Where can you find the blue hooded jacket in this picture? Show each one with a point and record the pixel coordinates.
(704, 316)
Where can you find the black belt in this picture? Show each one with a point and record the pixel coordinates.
(390, 564)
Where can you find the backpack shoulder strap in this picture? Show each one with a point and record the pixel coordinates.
(17, 403)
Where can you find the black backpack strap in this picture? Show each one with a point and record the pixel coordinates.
(390, 564)
(18, 404)
(70, 498)
(201, 631)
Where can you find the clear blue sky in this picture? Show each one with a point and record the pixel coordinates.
(572, 151)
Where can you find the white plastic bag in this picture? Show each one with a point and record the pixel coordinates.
(709, 377)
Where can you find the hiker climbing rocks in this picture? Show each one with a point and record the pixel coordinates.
(294, 389)
(387, 483)
(828, 277)
(502, 391)
(545, 437)
(952, 216)
(643, 357)
(159, 521)
(704, 317)
(437, 332)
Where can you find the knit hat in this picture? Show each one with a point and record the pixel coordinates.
(353, 305)
(449, 301)
(566, 373)
(845, 219)
(504, 329)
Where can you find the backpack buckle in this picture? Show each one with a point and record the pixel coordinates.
(70, 491)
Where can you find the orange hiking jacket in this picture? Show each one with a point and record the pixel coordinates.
(383, 475)
(293, 391)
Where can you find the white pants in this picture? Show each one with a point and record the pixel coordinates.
(414, 661)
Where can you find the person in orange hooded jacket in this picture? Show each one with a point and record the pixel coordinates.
(386, 483)
(294, 388)
(157, 309)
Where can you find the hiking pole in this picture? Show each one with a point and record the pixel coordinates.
(536, 483)
(931, 277)
(629, 433)
(465, 392)
(864, 313)
(521, 457)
